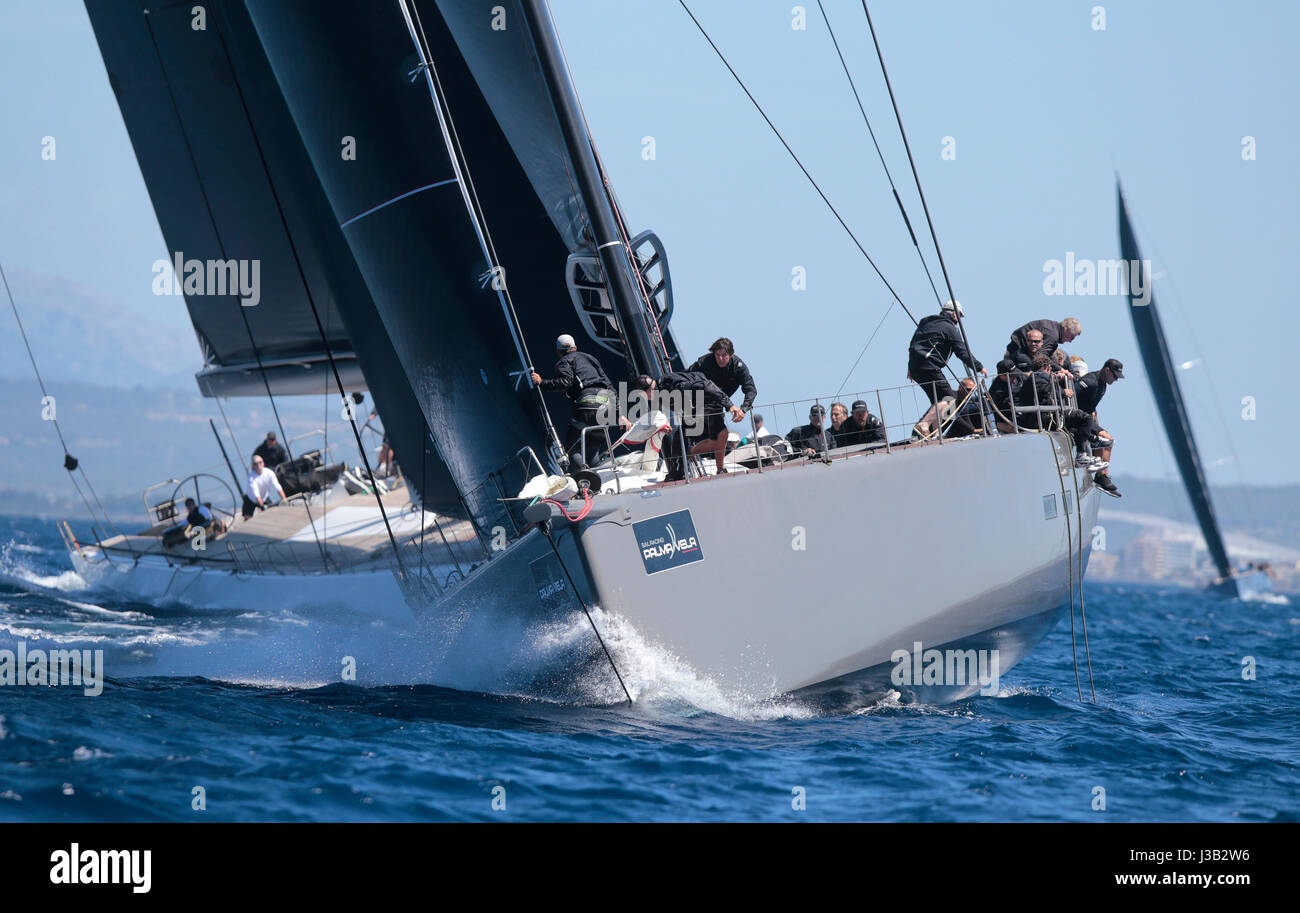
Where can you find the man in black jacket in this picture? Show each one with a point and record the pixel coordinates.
(585, 383)
(938, 338)
(811, 438)
(1091, 388)
(729, 374)
(1043, 388)
(271, 451)
(861, 427)
(692, 432)
(1054, 333)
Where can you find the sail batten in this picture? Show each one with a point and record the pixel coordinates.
(1169, 400)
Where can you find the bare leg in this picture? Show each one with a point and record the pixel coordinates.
(717, 446)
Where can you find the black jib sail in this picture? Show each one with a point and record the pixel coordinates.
(1169, 398)
(230, 179)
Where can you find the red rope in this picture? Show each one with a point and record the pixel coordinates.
(582, 514)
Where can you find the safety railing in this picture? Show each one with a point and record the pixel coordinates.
(884, 418)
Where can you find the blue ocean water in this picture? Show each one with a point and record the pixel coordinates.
(200, 700)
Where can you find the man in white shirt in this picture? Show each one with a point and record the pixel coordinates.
(262, 483)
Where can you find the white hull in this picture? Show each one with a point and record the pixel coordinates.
(152, 580)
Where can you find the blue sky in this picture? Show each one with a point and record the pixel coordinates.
(1043, 108)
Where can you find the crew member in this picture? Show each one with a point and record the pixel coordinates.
(1054, 333)
(587, 386)
(861, 427)
(262, 483)
(811, 438)
(1091, 387)
(839, 415)
(729, 374)
(271, 451)
(938, 338)
(692, 432)
(197, 516)
(761, 434)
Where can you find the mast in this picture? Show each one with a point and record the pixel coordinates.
(613, 254)
(1169, 399)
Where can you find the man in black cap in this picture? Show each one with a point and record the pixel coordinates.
(1089, 391)
(1091, 387)
(938, 338)
(586, 385)
(811, 438)
(861, 427)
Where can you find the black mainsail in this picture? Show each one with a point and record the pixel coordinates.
(353, 70)
(1169, 398)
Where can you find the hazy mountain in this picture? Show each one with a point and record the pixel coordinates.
(78, 332)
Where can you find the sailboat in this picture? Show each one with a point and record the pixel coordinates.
(1159, 365)
(423, 190)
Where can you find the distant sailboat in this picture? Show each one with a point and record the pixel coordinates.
(1173, 411)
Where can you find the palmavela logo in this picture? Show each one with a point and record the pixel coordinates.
(668, 541)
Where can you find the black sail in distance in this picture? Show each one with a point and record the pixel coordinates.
(229, 177)
(1169, 398)
(352, 71)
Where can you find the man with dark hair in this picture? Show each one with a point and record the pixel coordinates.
(861, 427)
(811, 438)
(1004, 390)
(761, 434)
(583, 380)
(728, 373)
(197, 516)
(938, 338)
(692, 431)
(1053, 333)
(271, 451)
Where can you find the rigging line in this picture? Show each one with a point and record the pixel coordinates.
(925, 207)
(460, 164)
(845, 382)
(797, 161)
(1069, 546)
(67, 457)
(1087, 650)
(231, 431)
(897, 199)
(35, 370)
(320, 329)
(207, 204)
